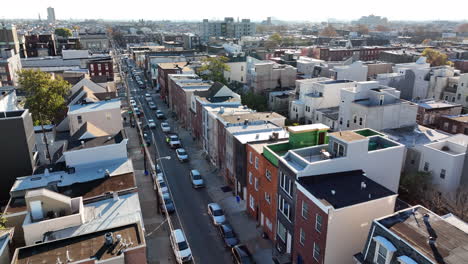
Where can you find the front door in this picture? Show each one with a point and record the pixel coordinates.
(321, 139)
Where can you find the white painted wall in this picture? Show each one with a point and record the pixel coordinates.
(109, 120)
(237, 72)
(356, 71)
(348, 228)
(96, 154)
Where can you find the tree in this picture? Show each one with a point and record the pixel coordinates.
(213, 69)
(415, 184)
(463, 28)
(255, 101)
(45, 97)
(362, 29)
(382, 28)
(460, 207)
(426, 42)
(2, 222)
(63, 32)
(328, 31)
(435, 58)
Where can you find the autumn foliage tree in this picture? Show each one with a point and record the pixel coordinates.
(435, 58)
(362, 29)
(328, 31)
(213, 69)
(463, 28)
(382, 28)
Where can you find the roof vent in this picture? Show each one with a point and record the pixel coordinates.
(431, 240)
(363, 185)
(333, 192)
(109, 240)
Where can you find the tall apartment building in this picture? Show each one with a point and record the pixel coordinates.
(226, 28)
(50, 15)
(9, 38)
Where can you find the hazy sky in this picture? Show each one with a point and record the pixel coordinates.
(254, 9)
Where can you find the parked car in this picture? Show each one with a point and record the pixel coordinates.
(147, 139)
(152, 105)
(137, 111)
(241, 255)
(133, 103)
(151, 123)
(227, 234)
(216, 213)
(173, 141)
(162, 184)
(165, 127)
(167, 201)
(196, 179)
(182, 155)
(148, 97)
(180, 246)
(159, 172)
(159, 114)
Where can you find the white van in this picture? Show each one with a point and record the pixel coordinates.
(180, 246)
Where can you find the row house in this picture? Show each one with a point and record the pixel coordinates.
(262, 170)
(371, 105)
(181, 89)
(40, 45)
(454, 124)
(237, 137)
(333, 215)
(164, 69)
(430, 111)
(340, 54)
(315, 94)
(415, 235)
(101, 69)
(377, 156)
(268, 75)
(455, 89)
(10, 66)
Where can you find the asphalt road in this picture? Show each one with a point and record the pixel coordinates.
(191, 204)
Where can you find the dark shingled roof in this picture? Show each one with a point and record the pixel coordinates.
(347, 186)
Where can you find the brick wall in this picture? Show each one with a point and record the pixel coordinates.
(136, 256)
(307, 224)
(452, 126)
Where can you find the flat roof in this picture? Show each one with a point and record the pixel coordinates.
(75, 143)
(233, 119)
(83, 173)
(81, 247)
(436, 104)
(307, 128)
(460, 118)
(347, 136)
(344, 189)
(417, 224)
(98, 106)
(104, 214)
(415, 135)
(172, 65)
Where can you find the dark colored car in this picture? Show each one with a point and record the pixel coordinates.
(227, 234)
(147, 139)
(242, 255)
(169, 204)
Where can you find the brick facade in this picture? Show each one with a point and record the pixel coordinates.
(430, 117)
(304, 251)
(163, 80)
(101, 70)
(453, 125)
(365, 54)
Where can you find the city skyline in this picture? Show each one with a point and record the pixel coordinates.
(412, 11)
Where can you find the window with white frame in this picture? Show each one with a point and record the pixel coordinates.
(268, 174)
(268, 223)
(250, 157)
(318, 223)
(285, 183)
(316, 253)
(426, 166)
(281, 231)
(250, 177)
(442, 173)
(256, 162)
(252, 202)
(305, 210)
(256, 184)
(284, 207)
(384, 250)
(99, 67)
(267, 197)
(302, 236)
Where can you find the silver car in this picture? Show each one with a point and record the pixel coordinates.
(196, 179)
(216, 214)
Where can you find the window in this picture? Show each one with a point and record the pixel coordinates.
(446, 98)
(281, 231)
(107, 67)
(99, 67)
(453, 99)
(256, 184)
(256, 162)
(285, 183)
(80, 119)
(454, 128)
(242, 68)
(381, 99)
(458, 96)
(284, 207)
(347, 123)
(92, 67)
(341, 119)
(268, 174)
(250, 157)
(108, 116)
(442, 174)
(305, 210)
(316, 252)
(466, 98)
(250, 177)
(355, 119)
(426, 166)
(302, 237)
(252, 202)
(267, 198)
(340, 150)
(446, 125)
(360, 121)
(318, 223)
(381, 255)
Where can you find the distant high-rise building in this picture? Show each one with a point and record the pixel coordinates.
(51, 14)
(227, 28)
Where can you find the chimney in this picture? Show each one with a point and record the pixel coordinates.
(109, 240)
(246, 122)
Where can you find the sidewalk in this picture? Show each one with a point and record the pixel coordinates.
(158, 248)
(245, 227)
